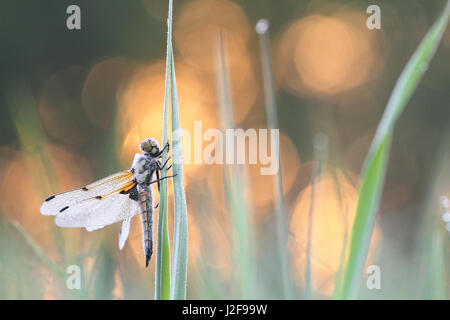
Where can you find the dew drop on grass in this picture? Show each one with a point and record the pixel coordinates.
(262, 26)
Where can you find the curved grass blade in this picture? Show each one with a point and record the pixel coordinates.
(162, 273)
(374, 168)
(180, 232)
(369, 198)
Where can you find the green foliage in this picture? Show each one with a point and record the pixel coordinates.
(374, 169)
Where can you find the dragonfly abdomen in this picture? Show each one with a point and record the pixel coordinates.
(146, 201)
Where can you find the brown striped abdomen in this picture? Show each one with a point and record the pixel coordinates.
(146, 202)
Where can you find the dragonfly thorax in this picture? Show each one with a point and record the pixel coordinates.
(144, 167)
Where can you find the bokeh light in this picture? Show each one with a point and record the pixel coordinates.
(196, 32)
(141, 101)
(76, 107)
(22, 197)
(324, 55)
(261, 188)
(60, 106)
(100, 88)
(333, 214)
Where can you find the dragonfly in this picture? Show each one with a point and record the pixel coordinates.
(118, 197)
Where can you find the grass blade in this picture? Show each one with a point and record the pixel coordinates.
(234, 184)
(101, 279)
(374, 168)
(410, 77)
(369, 198)
(162, 273)
(32, 137)
(433, 238)
(320, 150)
(180, 232)
(272, 118)
(47, 261)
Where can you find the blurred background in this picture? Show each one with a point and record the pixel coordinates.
(75, 105)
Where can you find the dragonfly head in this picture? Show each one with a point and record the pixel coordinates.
(150, 146)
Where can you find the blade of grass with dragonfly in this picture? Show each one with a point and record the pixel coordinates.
(162, 273)
(374, 168)
(180, 231)
(172, 284)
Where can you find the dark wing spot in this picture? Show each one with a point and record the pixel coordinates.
(65, 208)
(98, 197)
(50, 198)
(134, 195)
(84, 189)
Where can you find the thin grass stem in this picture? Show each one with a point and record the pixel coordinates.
(262, 28)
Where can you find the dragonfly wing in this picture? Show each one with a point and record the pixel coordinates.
(96, 205)
(54, 204)
(124, 232)
(93, 228)
(96, 213)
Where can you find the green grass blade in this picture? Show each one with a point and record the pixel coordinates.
(410, 77)
(272, 119)
(369, 197)
(438, 262)
(344, 211)
(374, 168)
(101, 279)
(433, 238)
(32, 137)
(162, 275)
(47, 261)
(234, 185)
(180, 232)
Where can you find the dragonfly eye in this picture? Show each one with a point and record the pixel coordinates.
(154, 150)
(150, 145)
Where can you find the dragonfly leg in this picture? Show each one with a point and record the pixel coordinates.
(163, 178)
(161, 166)
(167, 146)
(157, 179)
